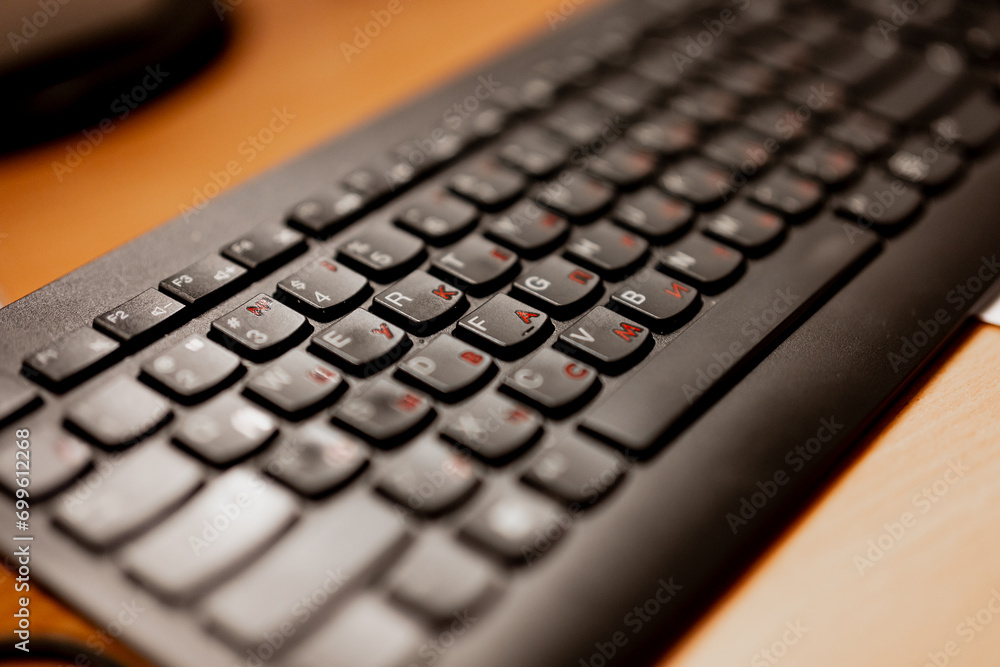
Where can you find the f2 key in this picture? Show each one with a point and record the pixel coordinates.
(140, 317)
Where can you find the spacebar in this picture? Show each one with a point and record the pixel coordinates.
(766, 303)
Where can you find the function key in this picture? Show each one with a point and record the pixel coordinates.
(561, 287)
(576, 472)
(17, 397)
(575, 196)
(504, 326)
(323, 214)
(657, 300)
(381, 251)
(70, 359)
(324, 289)
(295, 385)
(386, 413)
(119, 413)
(699, 181)
(603, 337)
(362, 343)
(486, 183)
(226, 429)
(553, 382)
(437, 217)
(368, 182)
(494, 427)
(744, 226)
(574, 69)
(207, 280)
(317, 459)
(528, 229)
(193, 369)
(607, 249)
(825, 160)
(429, 477)
(421, 303)
(57, 457)
(267, 245)
(436, 148)
(476, 265)
(931, 164)
(511, 523)
(448, 368)
(653, 214)
(784, 191)
(141, 317)
(533, 151)
(261, 327)
(705, 263)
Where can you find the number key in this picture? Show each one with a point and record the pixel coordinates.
(324, 289)
(260, 327)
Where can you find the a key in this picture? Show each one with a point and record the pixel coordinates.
(324, 289)
(739, 149)
(421, 303)
(657, 300)
(575, 196)
(327, 212)
(118, 413)
(779, 121)
(487, 184)
(666, 132)
(879, 200)
(447, 368)
(226, 429)
(828, 161)
(362, 343)
(608, 340)
(510, 526)
(260, 328)
(653, 214)
(386, 413)
(476, 265)
(579, 122)
(528, 229)
(862, 132)
(699, 181)
(559, 286)
(703, 262)
(622, 165)
(926, 162)
(265, 246)
(553, 382)
(429, 478)
(381, 252)
(437, 217)
(505, 327)
(205, 282)
(575, 471)
(625, 94)
(746, 227)
(533, 151)
(140, 318)
(193, 369)
(784, 191)
(317, 459)
(70, 359)
(55, 457)
(707, 105)
(334, 550)
(229, 522)
(143, 486)
(494, 427)
(295, 385)
(973, 122)
(17, 397)
(607, 249)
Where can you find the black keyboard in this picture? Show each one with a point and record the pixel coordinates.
(534, 364)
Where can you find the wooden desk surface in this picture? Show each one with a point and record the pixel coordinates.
(822, 596)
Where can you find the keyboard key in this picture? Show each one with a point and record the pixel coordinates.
(779, 121)
(433, 149)
(553, 382)
(658, 65)
(704, 263)
(786, 192)
(747, 78)
(914, 94)
(316, 459)
(226, 429)
(324, 289)
(862, 132)
(381, 252)
(261, 327)
(504, 326)
(747, 228)
(653, 214)
(625, 94)
(265, 246)
(429, 477)
(437, 217)
(575, 196)
(830, 162)
(141, 317)
(533, 151)
(974, 122)
(622, 165)
(476, 265)
(421, 303)
(607, 249)
(368, 182)
(118, 413)
(666, 132)
(448, 368)
(528, 229)
(386, 413)
(487, 184)
(228, 523)
(820, 95)
(699, 181)
(740, 150)
(560, 287)
(193, 369)
(143, 486)
(325, 213)
(362, 343)
(206, 281)
(656, 300)
(575, 472)
(879, 200)
(295, 385)
(17, 397)
(928, 163)
(579, 122)
(707, 105)
(855, 61)
(70, 359)
(606, 339)
(334, 550)
(514, 524)
(442, 579)
(494, 427)
(56, 457)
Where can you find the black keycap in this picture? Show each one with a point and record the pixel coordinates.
(974, 122)
(779, 121)
(55, 457)
(729, 337)
(828, 161)
(533, 94)
(295, 385)
(265, 246)
(575, 196)
(580, 122)
(784, 191)
(344, 543)
(17, 397)
(325, 213)
(926, 162)
(707, 105)
(879, 200)
(659, 66)
(819, 95)
(226, 429)
(118, 413)
(504, 326)
(608, 340)
(862, 132)
(740, 150)
(560, 287)
(657, 300)
(442, 579)
(914, 94)
(699, 181)
(854, 61)
(317, 459)
(625, 94)
(324, 289)
(421, 303)
(487, 184)
(553, 382)
(653, 214)
(667, 132)
(747, 78)
(140, 318)
(204, 282)
(448, 368)
(437, 217)
(510, 526)
(381, 251)
(746, 227)
(575, 471)
(193, 369)
(262, 327)
(231, 521)
(386, 413)
(494, 427)
(143, 486)
(434, 148)
(777, 49)
(607, 249)
(622, 165)
(369, 182)
(70, 359)
(533, 151)
(574, 69)
(528, 229)
(362, 343)
(429, 477)
(705, 263)
(476, 265)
